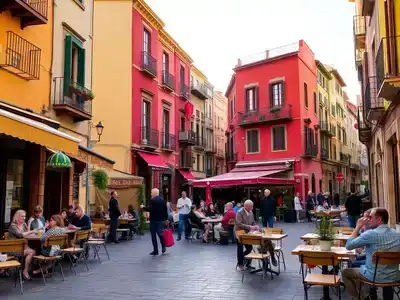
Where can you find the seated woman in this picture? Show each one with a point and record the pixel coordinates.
(170, 213)
(64, 217)
(133, 225)
(99, 214)
(54, 228)
(195, 217)
(19, 230)
(37, 221)
(210, 212)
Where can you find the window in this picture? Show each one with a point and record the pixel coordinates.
(14, 188)
(146, 121)
(183, 121)
(182, 75)
(333, 109)
(251, 99)
(305, 95)
(74, 63)
(278, 138)
(166, 121)
(315, 103)
(146, 41)
(253, 142)
(198, 162)
(165, 58)
(276, 94)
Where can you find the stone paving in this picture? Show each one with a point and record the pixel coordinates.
(189, 270)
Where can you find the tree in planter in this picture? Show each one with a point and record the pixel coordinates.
(326, 233)
(141, 200)
(100, 179)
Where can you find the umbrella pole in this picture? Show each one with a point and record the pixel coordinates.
(61, 191)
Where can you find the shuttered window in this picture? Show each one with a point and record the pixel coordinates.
(278, 138)
(253, 141)
(74, 63)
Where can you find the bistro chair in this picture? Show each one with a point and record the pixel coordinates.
(278, 246)
(262, 258)
(57, 240)
(77, 253)
(383, 258)
(319, 259)
(16, 247)
(98, 240)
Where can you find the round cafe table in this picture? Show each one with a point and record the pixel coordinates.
(212, 222)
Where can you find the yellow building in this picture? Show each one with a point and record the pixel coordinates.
(220, 126)
(377, 42)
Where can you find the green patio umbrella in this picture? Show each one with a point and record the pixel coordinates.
(59, 162)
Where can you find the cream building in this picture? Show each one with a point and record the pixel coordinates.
(220, 126)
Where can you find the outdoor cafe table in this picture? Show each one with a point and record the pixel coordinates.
(341, 252)
(312, 236)
(212, 222)
(36, 237)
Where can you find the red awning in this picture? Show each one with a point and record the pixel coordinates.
(187, 174)
(154, 161)
(279, 168)
(243, 178)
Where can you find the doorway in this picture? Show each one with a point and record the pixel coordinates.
(395, 164)
(306, 187)
(166, 186)
(313, 187)
(56, 194)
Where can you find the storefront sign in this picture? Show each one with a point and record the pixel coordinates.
(116, 182)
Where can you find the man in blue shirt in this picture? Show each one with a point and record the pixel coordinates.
(379, 238)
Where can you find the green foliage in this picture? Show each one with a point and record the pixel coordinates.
(100, 179)
(288, 201)
(141, 199)
(325, 230)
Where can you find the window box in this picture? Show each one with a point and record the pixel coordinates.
(275, 109)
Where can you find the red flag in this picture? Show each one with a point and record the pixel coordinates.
(188, 110)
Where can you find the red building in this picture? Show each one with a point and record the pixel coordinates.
(160, 95)
(273, 122)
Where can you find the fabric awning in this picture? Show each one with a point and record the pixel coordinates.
(187, 174)
(243, 178)
(279, 168)
(154, 161)
(35, 132)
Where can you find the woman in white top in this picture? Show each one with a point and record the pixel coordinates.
(297, 206)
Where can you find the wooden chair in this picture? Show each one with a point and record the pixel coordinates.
(5, 236)
(319, 259)
(98, 221)
(100, 232)
(262, 258)
(57, 240)
(78, 250)
(14, 246)
(382, 258)
(278, 246)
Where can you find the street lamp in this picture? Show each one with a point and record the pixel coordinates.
(99, 128)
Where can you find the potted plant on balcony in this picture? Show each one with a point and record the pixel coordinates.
(76, 89)
(326, 233)
(274, 109)
(89, 95)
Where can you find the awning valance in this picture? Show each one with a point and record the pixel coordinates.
(186, 174)
(91, 157)
(154, 161)
(35, 132)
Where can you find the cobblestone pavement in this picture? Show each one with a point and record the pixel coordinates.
(189, 270)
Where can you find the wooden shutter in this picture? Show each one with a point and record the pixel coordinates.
(67, 65)
(271, 95)
(246, 94)
(81, 66)
(256, 100)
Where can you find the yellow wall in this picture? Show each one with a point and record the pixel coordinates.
(31, 94)
(112, 80)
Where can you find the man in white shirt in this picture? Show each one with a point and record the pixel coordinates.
(184, 204)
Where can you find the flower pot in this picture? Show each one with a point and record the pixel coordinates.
(325, 245)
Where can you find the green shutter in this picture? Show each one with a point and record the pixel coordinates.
(81, 66)
(67, 64)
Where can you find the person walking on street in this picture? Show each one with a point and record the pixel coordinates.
(184, 204)
(353, 208)
(115, 213)
(309, 205)
(297, 206)
(157, 208)
(268, 209)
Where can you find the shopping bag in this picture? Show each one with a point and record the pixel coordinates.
(168, 238)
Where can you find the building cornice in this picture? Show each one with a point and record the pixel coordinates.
(148, 14)
(198, 73)
(323, 70)
(172, 45)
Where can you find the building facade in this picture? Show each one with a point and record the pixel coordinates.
(377, 40)
(220, 109)
(267, 105)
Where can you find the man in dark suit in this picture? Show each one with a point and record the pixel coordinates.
(268, 209)
(114, 215)
(157, 207)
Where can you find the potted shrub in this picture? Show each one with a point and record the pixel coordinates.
(326, 233)
(100, 179)
(275, 109)
(89, 95)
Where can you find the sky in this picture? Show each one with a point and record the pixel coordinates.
(215, 33)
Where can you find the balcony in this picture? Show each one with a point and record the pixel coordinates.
(310, 151)
(168, 142)
(324, 127)
(344, 158)
(31, 12)
(186, 160)
(324, 154)
(199, 90)
(374, 106)
(184, 91)
(200, 143)
(21, 57)
(367, 7)
(168, 81)
(388, 69)
(231, 157)
(364, 130)
(210, 148)
(187, 137)
(333, 130)
(355, 166)
(150, 137)
(209, 123)
(266, 115)
(148, 64)
(359, 31)
(71, 99)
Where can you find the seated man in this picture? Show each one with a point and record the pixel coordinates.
(226, 220)
(379, 237)
(360, 258)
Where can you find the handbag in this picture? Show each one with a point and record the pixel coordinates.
(168, 238)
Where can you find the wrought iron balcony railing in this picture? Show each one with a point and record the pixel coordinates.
(199, 90)
(187, 137)
(150, 137)
(324, 154)
(265, 115)
(168, 141)
(71, 99)
(200, 142)
(21, 57)
(388, 68)
(374, 106)
(324, 126)
(344, 158)
(149, 64)
(31, 12)
(310, 151)
(168, 80)
(184, 91)
(186, 160)
(364, 130)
